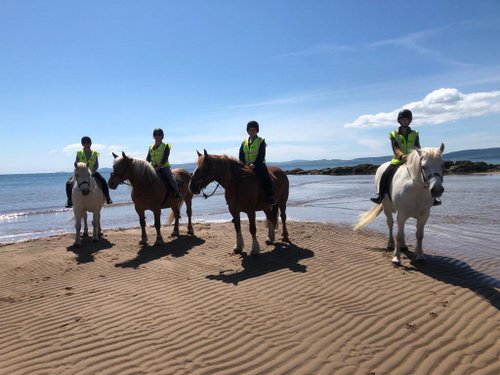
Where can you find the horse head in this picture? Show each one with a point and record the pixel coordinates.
(203, 174)
(432, 166)
(120, 170)
(82, 177)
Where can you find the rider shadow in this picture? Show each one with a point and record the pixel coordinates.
(86, 253)
(178, 247)
(459, 273)
(282, 257)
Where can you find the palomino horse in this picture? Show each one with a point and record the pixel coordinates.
(243, 194)
(149, 193)
(413, 189)
(86, 196)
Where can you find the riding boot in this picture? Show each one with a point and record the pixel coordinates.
(376, 198)
(437, 202)
(69, 188)
(105, 190)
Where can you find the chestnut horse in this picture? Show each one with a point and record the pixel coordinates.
(149, 193)
(243, 194)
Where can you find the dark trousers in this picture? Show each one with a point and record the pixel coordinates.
(385, 180)
(263, 175)
(168, 179)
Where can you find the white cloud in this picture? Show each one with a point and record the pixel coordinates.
(374, 144)
(439, 106)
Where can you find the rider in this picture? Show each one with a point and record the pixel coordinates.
(158, 157)
(253, 153)
(403, 141)
(91, 158)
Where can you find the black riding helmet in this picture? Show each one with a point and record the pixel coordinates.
(253, 124)
(86, 139)
(405, 113)
(158, 131)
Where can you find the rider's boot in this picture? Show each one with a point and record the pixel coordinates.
(376, 198)
(437, 202)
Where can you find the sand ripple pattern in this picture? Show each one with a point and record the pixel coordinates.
(329, 303)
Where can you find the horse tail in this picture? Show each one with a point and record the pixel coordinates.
(171, 217)
(367, 217)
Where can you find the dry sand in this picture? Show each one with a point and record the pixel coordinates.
(330, 303)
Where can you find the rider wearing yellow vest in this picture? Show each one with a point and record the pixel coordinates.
(403, 141)
(253, 153)
(158, 155)
(91, 158)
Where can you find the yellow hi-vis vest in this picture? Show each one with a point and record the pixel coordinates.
(83, 158)
(406, 146)
(252, 150)
(157, 155)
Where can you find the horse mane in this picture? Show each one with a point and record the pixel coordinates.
(143, 171)
(79, 165)
(227, 166)
(413, 162)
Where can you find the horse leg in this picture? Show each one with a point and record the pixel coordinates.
(390, 225)
(78, 227)
(400, 239)
(96, 220)
(159, 238)
(142, 222)
(238, 247)
(253, 231)
(85, 226)
(419, 252)
(284, 232)
(271, 222)
(189, 213)
(177, 214)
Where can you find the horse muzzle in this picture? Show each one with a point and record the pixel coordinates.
(437, 189)
(85, 191)
(194, 188)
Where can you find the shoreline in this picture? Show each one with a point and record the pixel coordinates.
(329, 302)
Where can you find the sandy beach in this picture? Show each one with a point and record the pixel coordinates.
(329, 303)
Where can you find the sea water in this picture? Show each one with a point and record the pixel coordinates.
(466, 225)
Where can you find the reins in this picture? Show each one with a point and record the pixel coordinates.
(213, 192)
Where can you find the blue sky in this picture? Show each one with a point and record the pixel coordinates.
(325, 79)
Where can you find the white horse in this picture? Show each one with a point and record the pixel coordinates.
(413, 189)
(87, 196)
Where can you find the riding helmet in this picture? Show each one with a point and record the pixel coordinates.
(86, 139)
(253, 124)
(158, 131)
(405, 113)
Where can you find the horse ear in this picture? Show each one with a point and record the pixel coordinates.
(198, 153)
(441, 149)
(419, 151)
(205, 152)
(123, 154)
(114, 155)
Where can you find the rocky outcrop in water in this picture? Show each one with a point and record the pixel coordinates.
(462, 166)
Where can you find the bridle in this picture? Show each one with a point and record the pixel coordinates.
(122, 175)
(425, 178)
(202, 182)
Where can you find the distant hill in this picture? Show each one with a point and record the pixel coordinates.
(488, 155)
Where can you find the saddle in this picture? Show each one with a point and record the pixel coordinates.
(386, 180)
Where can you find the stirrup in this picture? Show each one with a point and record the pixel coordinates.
(108, 201)
(377, 198)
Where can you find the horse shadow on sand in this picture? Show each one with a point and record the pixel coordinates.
(178, 247)
(86, 253)
(456, 272)
(284, 256)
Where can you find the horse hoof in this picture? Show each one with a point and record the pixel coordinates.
(159, 242)
(237, 251)
(396, 261)
(174, 234)
(404, 249)
(269, 242)
(142, 242)
(191, 232)
(285, 239)
(390, 247)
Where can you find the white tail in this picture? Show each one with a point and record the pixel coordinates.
(171, 217)
(367, 217)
